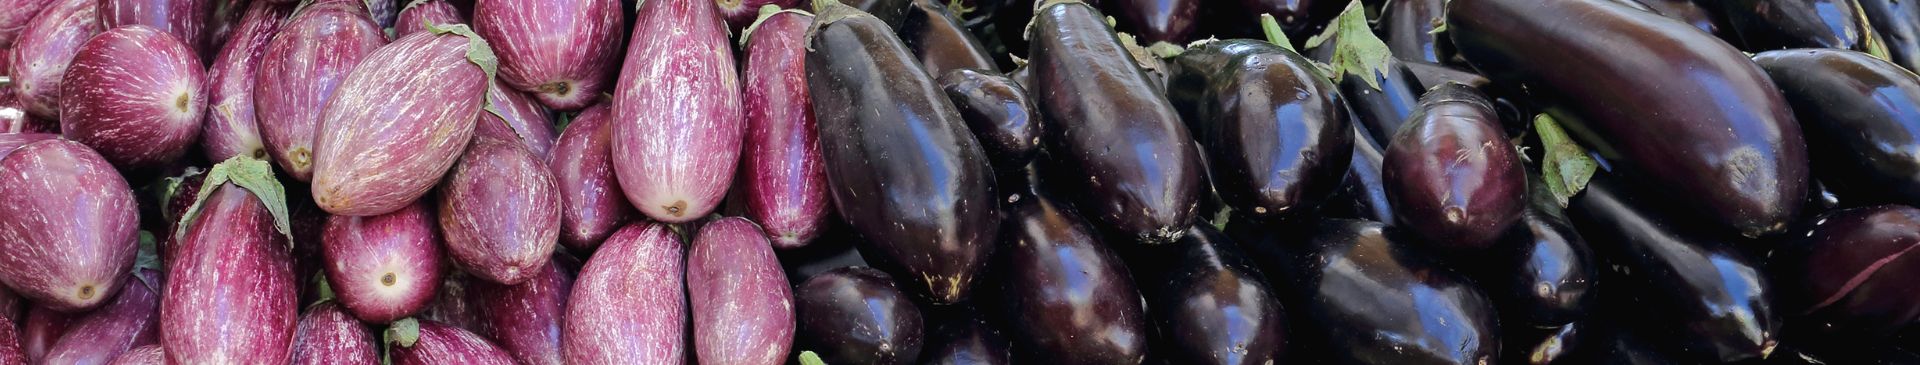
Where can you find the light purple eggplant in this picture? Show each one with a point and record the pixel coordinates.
(384, 267)
(399, 121)
(525, 319)
(10, 352)
(40, 329)
(582, 162)
(385, 12)
(12, 141)
(136, 95)
(14, 16)
(500, 210)
(415, 17)
(434, 343)
(144, 355)
(230, 129)
(41, 52)
(627, 306)
(304, 64)
(230, 295)
(329, 335)
(561, 51)
(677, 121)
(785, 180)
(132, 320)
(452, 304)
(68, 225)
(186, 20)
(520, 119)
(741, 13)
(742, 303)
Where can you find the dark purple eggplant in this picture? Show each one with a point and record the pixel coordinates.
(1300, 18)
(1095, 98)
(892, 12)
(935, 35)
(959, 335)
(1407, 27)
(1066, 297)
(1897, 22)
(1765, 25)
(1362, 194)
(1429, 76)
(905, 172)
(855, 315)
(1849, 276)
(1543, 345)
(1862, 116)
(1701, 296)
(1381, 101)
(1211, 305)
(1171, 21)
(525, 319)
(1700, 14)
(1451, 174)
(385, 13)
(1542, 274)
(784, 180)
(1702, 122)
(999, 113)
(230, 294)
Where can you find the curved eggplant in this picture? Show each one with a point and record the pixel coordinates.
(1862, 120)
(959, 335)
(1407, 27)
(1451, 172)
(1849, 275)
(1703, 122)
(1212, 306)
(1275, 130)
(1897, 23)
(999, 113)
(936, 36)
(905, 172)
(784, 180)
(1776, 24)
(1170, 21)
(582, 161)
(1067, 297)
(855, 315)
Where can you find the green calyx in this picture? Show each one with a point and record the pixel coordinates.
(1565, 166)
(254, 175)
(1356, 51)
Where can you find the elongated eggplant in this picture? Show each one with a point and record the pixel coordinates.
(327, 334)
(136, 95)
(1860, 114)
(1723, 140)
(1451, 173)
(1382, 104)
(582, 163)
(677, 121)
(186, 20)
(1705, 288)
(742, 307)
(500, 210)
(398, 123)
(1898, 25)
(959, 335)
(1847, 276)
(431, 342)
(784, 178)
(855, 315)
(415, 17)
(562, 51)
(144, 355)
(628, 305)
(1362, 194)
(1543, 274)
(1775, 24)
(1066, 296)
(40, 55)
(1210, 303)
(231, 128)
(935, 34)
(1000, 114)
(385, 267)
(1702, 15)
(230, 293)
(16, 14)
(525, 319)
(1275, 129)
(131, 320)
(908, 176)
(69, 221)
(304, 64)
(1407, 27)
(520, 118)
(741, 14)
(39, 329)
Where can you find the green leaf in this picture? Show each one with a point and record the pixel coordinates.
(810, 358)
(1275, 34)
(170, 187)
(1356, 51)
(247, 173)
(1566, 167)
(404, 332)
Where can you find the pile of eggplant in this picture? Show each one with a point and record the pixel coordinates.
(762, 182)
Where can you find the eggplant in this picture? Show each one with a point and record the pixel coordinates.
(383, 268)
(1699, 14)
(136, 95)
(892, 12)
(13, 141)
(1094, 97)
(453, 302)
(1542, 274)
(1211, 305)
(230, 294)
(16, 14)
(1275, 129)
(41, 53)
(70, 223)
(742, 307)
(1452, 174)
(563, 52)
(1169, 21)
(855, 315)
(10, 352)
(592, 205)
(677, 121)
(144, 355)
(39, 329)
(741, 14)
(327, 334)
(1362, 193)
(385, 13)
(186, 20)
(500, 210)
(225, 16)
(1000, 114)
(1382, 104)
(304, 65)
(959, 335)
(1898, 25)
(520, 118)
(784, 180)
(13, 309)
(1722, 139)
(13, 118)
(1299, 18)
(1765, 25)
(1712, 302)
(431, 342)
(415, 17)
(628, 306)
(1860, 113)
(131, 320)
(935, 35)
(231, 129)
(907, 175)
(1407, 27)
(525, 319)
(1845, 278)
(835, 249)
(1065, 295)
(398, 123)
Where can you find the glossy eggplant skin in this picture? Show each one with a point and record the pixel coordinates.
(1211, 304)
(1362, 193)
(1693, 12)
(1777, 24)
(959, 335)
(904, 172)
(855, 315)
(1274, 129)
(999, 113)
(1712, 302)
(1300, 18)
(1066, 297)
(1703, 122)
(936, 36)
(1451, 172)
(1897, 22)
(1862, 120)
(1850, 275)
(1171, 21)
(1113, 141)
(1544, 273)
(1407, 27)
(1381, 110)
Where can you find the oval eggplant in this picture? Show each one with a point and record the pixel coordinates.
(564, 51)
(186, 20)
(582, 163)
(525, 319)
(1095, 97)
(999, 113)
(1862, 117)
(520, 118)
(855, 315)
(16, 14)
(440, 343)
(134, 94)
(500, 210)
(230, 293)
(13, 141)
(1847, 276)
(230, 129)
(741, 14)
(415, 17)
(1705, 288)
(784, 180)
(130, 321)
(1451, 173)
(384, 267)
(1742, 163)
(1211, 305)
(327, 334)
(452, 304)
(628, 307)
(69, 221)
(958, 335)
(1407, 27)
(1275, 131)
(677, 121)
(907, 176)
(304, 64)
(39, 329)
(144, 355)
(397, 124)
(742, 309)
(935, 34)
(1066, 297)
(1775, 24)
(44, 48)
(1898, 25)
(1544, 273)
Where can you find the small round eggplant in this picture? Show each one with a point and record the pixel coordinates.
(935, 35)
(1776, 24)
(959, 335)
(999, 113)
(1407, 27)
(1851, 274)
(135, 94)
(1862, 120)
(855, 315)
(1066, 297)
(385, 267)
(1451, 173)
(1212, 306)
(1897, 22)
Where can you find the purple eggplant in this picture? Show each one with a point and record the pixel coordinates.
(40, 55)
(740, 14)
(439, 343)
(1765, 25)
(329, 335)
(69, 221)
(452, 304)
(520, 119)
(677, 121)
(855, 315)
(303, 65)
(12, 141)
(742, 309)
(399, 121)
(136, 95)
(131, 320)
(1700, 14)
(1860, 114)
(40, 329)
(385, 267)
(1066, 297)
(959, 335)
(144, 355)
(1381, 100)
(935, 35)
(13, 116)
(230, 129)
(525, 319)
(582, 162)
(628, 306)
(225, 15)
(1452, 174)
(386, 13)
(1898, 25)
(1429, 76)
(784, 180)
(1847, 277)
(16, 14)
(418, 14)
(500, 210)
(186, 20)
(10, 352)
(1542, 275)
(13, 308)
(1170, 21)
(1211, 305)
(230, 293)
(1407, 27)
(999, 113)
(1299, 18)
(565, 51)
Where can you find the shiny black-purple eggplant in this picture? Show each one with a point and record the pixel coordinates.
(1897, 22)
(1381, 109)
(1171, 21)
(1210, 303)
(1851, 276)
(1548, 272)
(1407, 28)
(855, 315)
(1452, 174)
(1862, 120)
(1765, 25)
(935, 35)
(999, 113)
(1065, 296)
(959, 335)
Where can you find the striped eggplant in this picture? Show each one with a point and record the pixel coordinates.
(582, 163)
(399, 121)
(40, 329)
(785, 183)
(136, 95)
(230, 129)
(564, 51)
(304, 64)
(10, 352)
(628, 306)
(12, 141)
(230, 293)
(415, 17)
(131, 320)
(525, 319)
(451, 304)
(329, 335)
(385, 267)
(144, 355)
(999, 113)
(742, 304)
(67, 225)
(430, 343)
(15, 15)
(856, 315)
(186, 20)
(677, 120)
(500, 210)
(520, 118)
(741, 14)
(40, 54)
(13, 116)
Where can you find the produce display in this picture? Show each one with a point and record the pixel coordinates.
(949, 182)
